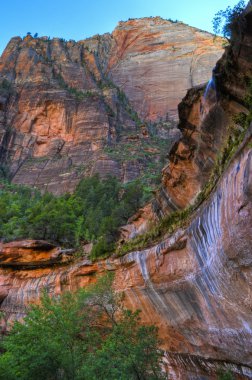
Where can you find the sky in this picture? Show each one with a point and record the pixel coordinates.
(79, 19)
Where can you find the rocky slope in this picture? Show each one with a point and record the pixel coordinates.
(63, 109)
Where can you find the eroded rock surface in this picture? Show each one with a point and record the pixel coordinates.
(195, 285)
(32, 254)
(66, 115)
(205, 117)
(155, 61)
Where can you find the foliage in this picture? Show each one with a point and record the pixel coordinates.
(108, 109)
(245, 119)
(82, 335)
(77, 94)
(150, 154)
(4, 172)
(231, 21)
(131, 112)
(27, 213)
(173, 21)
(248, 97)
(225, 375)
(6, 88)
(93, 213)
(104, 84)
(167, 225)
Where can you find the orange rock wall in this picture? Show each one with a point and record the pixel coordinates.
(195, 285)
(51, 138)
(205, 118)
(155, 61)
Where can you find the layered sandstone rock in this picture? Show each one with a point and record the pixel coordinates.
(155, 61)
(32, 254)
(205, 116)
(64, 116)
(195, 285)
(56, 119)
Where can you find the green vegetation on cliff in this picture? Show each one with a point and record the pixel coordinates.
(231, 21)
(180, 218)
(93, 213)
(6, 88)
(83, 335)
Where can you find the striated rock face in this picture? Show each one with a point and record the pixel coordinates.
(56, 119)
(155, 61)
(195, 285)
(64, 117)
(204, 117)
(138, 223)
(31, 254)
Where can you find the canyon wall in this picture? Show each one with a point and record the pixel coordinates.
(195, 285)
(205, 118)
(64, 113)
(155, 61)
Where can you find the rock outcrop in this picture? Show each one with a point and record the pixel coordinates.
(28, 254)
(205, 115)
(63, 109)
(155, 61)
(195, 285)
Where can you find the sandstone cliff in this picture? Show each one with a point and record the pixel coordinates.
(155, 61)
(64, 113)
(205, 117)
(194, 284)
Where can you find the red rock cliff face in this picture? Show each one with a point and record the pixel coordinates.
(155, 61)
(64, 117)
(57, 121)
(195, 285)
(205, 116)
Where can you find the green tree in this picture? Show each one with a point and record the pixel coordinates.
(231, 21)
(94, 212)
(133, 349)
(79, 336)
(225, 375)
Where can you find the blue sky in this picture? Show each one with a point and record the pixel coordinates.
(78, 19)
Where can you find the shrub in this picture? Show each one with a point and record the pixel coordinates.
(6, 88)
(231, 21)
(93, 213)
(227, 375)
(82, 335)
